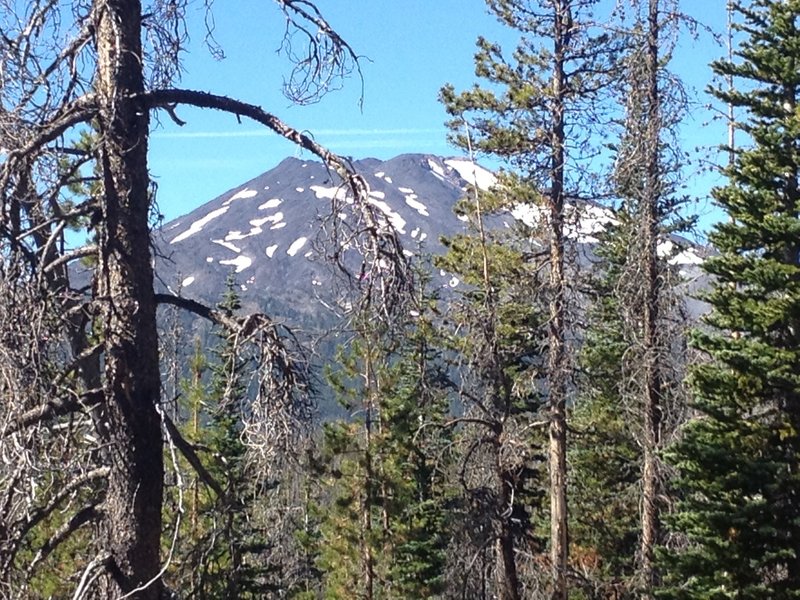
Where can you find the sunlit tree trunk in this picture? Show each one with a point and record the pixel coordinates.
(124, 284)
(557, 369)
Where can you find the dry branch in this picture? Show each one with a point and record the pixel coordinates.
(191, 456)
(50, 410)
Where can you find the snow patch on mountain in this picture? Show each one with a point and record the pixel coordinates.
(198, 225)
(187, 281)
(530, 214)
(276, 218)
(241, 262)
(689, 256)
(234, 236)
(586, 221)
(582, 223)
(411, 200)
(271, 250)
(437, 169)
(241, 195)
(296, 246)
(332, 193)
(398, 222)
(677, 255)
(271, 203)
(238, 235)
(472, 173)
(228, 245)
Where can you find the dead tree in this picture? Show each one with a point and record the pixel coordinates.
(82, 433)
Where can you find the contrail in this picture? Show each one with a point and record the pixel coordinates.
(266, 133)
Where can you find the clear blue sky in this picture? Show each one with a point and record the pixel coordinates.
(411, 48)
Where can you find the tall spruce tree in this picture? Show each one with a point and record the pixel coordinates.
(738, 460)
(537, 112)
(603, 454)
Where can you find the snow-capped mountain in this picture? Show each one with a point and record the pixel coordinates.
(266, 230)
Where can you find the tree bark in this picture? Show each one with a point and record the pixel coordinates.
(653, 383)
(556, 363)
(508, 584)
(124, 286)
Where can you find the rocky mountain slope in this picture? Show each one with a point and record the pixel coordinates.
(267, 231)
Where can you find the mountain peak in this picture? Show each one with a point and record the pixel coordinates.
(266, 230)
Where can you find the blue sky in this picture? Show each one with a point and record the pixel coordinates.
(410, 48)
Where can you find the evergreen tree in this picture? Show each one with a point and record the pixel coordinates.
(631, 394)
(382, 530)
(738, 460)
(219, 558)
(604, 456)
(537, 113)
(496, 338)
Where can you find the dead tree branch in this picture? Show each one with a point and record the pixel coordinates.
(191, 457)
(52, 409)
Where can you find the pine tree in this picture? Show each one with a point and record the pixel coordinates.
(382, 527)
(738, 460)
(496, 334)
(230, 573)
(604, 456)
(219, 557)
(631, 395)
(536, 113)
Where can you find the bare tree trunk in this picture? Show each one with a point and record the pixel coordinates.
(125, 289)
(557, 354)
(508, 587)
(653, 384)
(366, 515)
(368, 497)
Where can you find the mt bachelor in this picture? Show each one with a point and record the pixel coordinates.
(266, 231)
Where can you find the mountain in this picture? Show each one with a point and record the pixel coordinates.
(266, 231)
